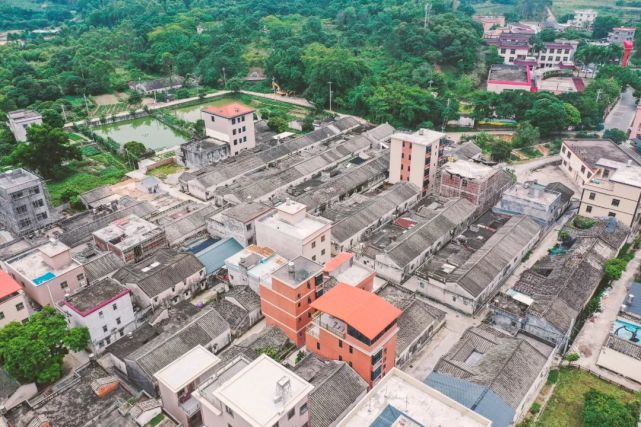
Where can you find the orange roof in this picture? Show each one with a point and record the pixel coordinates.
(365, 311)
(230, 110)
(337, 261)
(8, 286)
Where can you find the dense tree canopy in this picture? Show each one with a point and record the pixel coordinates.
(47, 149)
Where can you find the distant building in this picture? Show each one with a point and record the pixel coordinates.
(178, 380)
(618, 35)
(504, 77)
(480, 184)
(413, 403)
(357, 327)
(150, 87)
(512, 46)
(635, 128)
(286, 298)
(19, 121)
(615, 191)
(292, 232)
(47, 273)
(583, 18)
(544, 204)
(131, 238)
(253, 265)
(213, 256)
(240, 307)
(238, 222)
(556, 53)
(415, 158)
(579, 157)
(104, 308)
(262, 393)
(24, 202)
(233, 124)
(167, 278)
(14, 305)
(489, 22)
(496, 375)
(200, 153)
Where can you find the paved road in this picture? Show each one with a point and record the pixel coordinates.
(524, 169)
(595, 331)
(621, 115)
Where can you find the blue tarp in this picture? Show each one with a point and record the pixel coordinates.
(388, 417)
(44, 278)
(214, 256)
(474, 396)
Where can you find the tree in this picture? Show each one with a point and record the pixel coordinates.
(616, 135)
(277, 123)
(492, 56)
(134, 98)
(34, 351)
(525, 135)
(529, 9)
(308, 123)
(603, 24)
(602, 409)
(47, 150)
(614, 269)
(549, 115)
(500, 150)
(135, 148)
(571, 357)
(53, 118)
(199, 128)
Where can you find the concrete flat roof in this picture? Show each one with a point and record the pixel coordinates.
(33, 266)
(415, 403)
(353, 275)
(471, 170)
(187, 368)
(423, 136)
(251, 392)
(301, 230)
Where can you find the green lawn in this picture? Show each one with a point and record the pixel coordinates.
(565, 408)
(92, 171)
(164, 170)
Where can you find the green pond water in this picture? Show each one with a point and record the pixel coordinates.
(149, 131)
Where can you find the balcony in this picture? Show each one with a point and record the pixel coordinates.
(189, 406)
(327, 322)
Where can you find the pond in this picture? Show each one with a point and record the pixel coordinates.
(192, 113)
(147, 130)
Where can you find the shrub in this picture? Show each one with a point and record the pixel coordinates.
(601, 409)
(535, 408)
(553, 376)
(583, 223)
(571, 357)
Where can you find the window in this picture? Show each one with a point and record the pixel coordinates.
(20, 306)
(233, 132)
(291, 413)
(606, 173)
(213, 119)
(118, 321)
(592, 196)
(40, 216)
(323, 252)
(115, 307)
(323, 238)
(244, 139)
(317, 346)
(21, 209)
(1, 315)
(233, 121)
(80, 277)
(314, 258)
(229, 411)
(38, 203)
(64, 285)
(582, 169)
(340, 344)
(313, 244)
(588, 209)
(612, 214)
(104, 328)
(615, 202)
(340, 358)
(351, 349)
(244, 128)
(108, 340)
(563, 149)
(121, 332)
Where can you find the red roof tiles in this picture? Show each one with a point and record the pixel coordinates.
(230, 110)
(8, 286)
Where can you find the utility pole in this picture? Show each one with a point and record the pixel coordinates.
(64, 113)
(224, 78)
(330, 95)
(86, 105)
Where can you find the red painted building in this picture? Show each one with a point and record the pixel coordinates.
(355, 326)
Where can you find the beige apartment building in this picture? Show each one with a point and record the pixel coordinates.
(579, 157)
(614, 192)
(414, 158)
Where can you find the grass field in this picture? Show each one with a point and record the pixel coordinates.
(94, 170)
(565, 408)
(163, 171)
(109, 109)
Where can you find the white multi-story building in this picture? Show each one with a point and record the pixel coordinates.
(104, 308)
(292, 232)
(20, 120)
(232, 123)
(414, 158)
(557, 53)
(238, 222)
(583, 17)
(253, 265)
(14, 306)
(262, 393)
(618, 35)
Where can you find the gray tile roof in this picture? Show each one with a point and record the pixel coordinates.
(173, 268)
(336, 388)
(102, 266)
(246, 212)
(372, 210)
(236, 316)
(424, 235)
(502, 364)
(495, 255)
(245, 296)
(96, 194)
(189, 225)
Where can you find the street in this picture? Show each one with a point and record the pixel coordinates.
(595, 331)
(621, 115)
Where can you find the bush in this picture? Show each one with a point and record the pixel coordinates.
(601, 409)
(535, 408)
(583, 223)
(614, 268)
(553, 376)
(571, 357)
